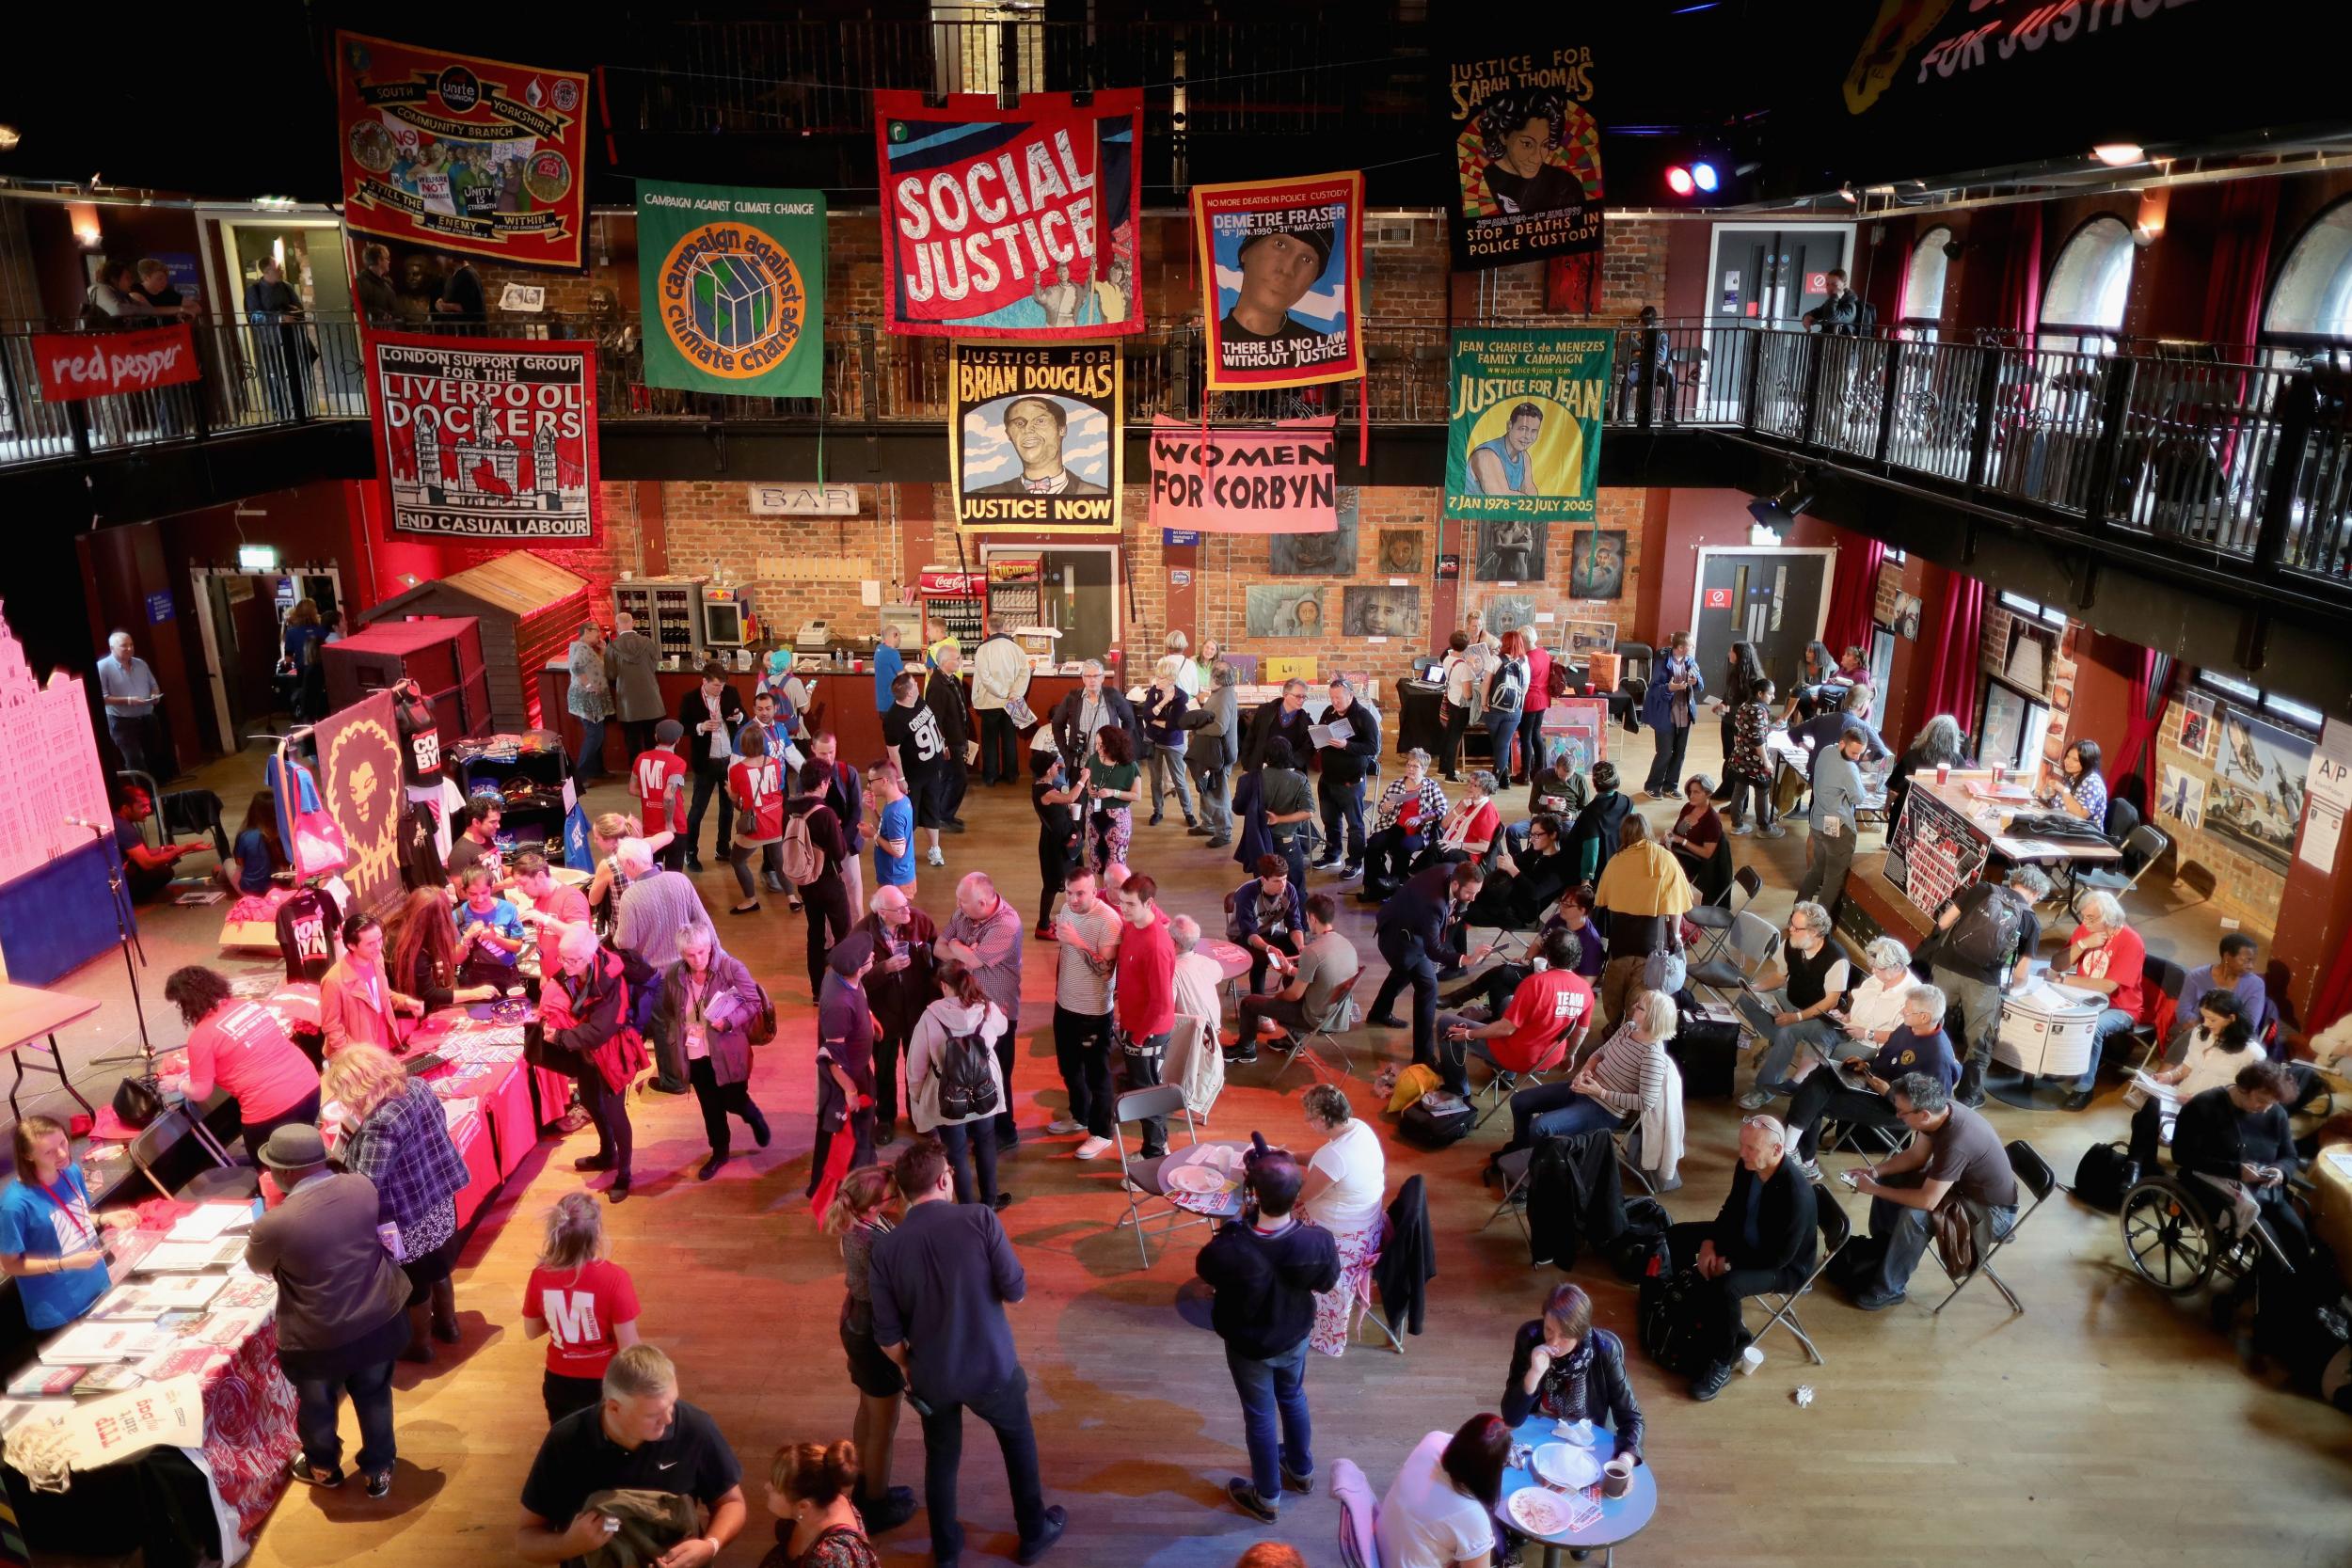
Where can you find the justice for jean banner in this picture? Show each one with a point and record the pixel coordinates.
(732, 284)
(1526, 156)
(488, 439)
(1523, 437)
(1033, 437)
(1281, 273)
(462, 153)
(1010, 222)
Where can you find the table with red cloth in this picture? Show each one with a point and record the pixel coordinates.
(508, 1099)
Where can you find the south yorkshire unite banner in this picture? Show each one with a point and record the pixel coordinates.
(462, 153)
(1523, 435)
(1034, 438)
(1279, 481)
(488, 439)
(1281, 269)
(732, 285)
(1526, 155)
(1010, 222)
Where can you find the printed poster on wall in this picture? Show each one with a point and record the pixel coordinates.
(462, 153)
(1281, 480)
(1282, 272)
(1524, 435)
(1010, 222)
(732, 287)
(1033, 437)
(488, 439)
(1526, 156)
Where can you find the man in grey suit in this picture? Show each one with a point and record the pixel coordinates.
(1036, 426)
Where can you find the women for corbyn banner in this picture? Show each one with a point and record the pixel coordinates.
(1278, 481)
(491, 440)
(1010, 222)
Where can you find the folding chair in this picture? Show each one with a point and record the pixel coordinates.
(1872, 1142)
(1753, 943)
(2035, 1176)
(2144, 845)
(1513, 1167)
(1302, 1043)
(1501, 1083)
(221, 1178)
(1142, 1185)
(1836, 1231)
(2167, 977)
(1718, 919)
(1362, 1311)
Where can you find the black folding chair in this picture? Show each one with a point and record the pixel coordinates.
(1717, 919)
(1836, 1231)
(1143, 1187)
(2035, 1176)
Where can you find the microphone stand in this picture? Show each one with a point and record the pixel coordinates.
(120, 893)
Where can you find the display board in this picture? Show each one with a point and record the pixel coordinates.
(1033, 437)
(49, 771)
(1933, 851)
(732, 289)
(1283, 479)
(1281, 271)
(359, 779)
(1523, 431)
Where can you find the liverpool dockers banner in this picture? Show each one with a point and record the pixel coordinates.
(1034, 440)
(1283, 479)
(1523, 437)
(1281, 270)
(1010, 222)
(462, 153)
(487, 440)
(1526, 155)
(732, 286)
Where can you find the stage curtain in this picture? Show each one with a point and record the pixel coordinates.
(2152, 689)
(1955, 607)
(1852, 595)
(2240, 268)
(2020, 306)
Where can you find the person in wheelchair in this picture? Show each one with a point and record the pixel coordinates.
(2219, 1047)
(2236, 1139)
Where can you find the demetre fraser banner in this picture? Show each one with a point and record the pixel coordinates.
(1034, 438)
(733, 288)
(1283, 270)
(462, 153)
(487, 440)
(1010, 222)
(1526, 155)
(1279, 481)
(1523, 435)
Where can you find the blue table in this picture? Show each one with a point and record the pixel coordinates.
(1620, 1517)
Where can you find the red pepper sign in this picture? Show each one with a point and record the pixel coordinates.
(78, 365)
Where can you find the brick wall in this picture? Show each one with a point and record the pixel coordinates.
(1632, 267)
(2244, 887)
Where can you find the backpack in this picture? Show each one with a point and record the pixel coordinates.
(1642, 1239)
(1558, 682)
(1666, 1315)
(1985, 936)
(761, 1030)
(967, 1081)
(2104, 1174)
(803, 862)
(1437, 1120)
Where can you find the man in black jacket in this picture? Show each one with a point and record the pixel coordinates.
(1354, 750)
(1593, 838)
(712, 713)
(1284, 717)
(2238, 1138)
(1266, 1272)
(952, 708)
(1419, 927)
(1094, 705)
(1762, 1238)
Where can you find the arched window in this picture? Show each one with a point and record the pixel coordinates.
(1923, 286)
(2083, 307)
(2310, 306)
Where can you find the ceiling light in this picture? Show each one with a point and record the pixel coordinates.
(1679, 181)
(2115, 154)
(1704, 176)
(9, 136)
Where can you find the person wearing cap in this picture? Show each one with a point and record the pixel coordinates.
(845, 1056)
(1278, 266)
(1037, 427)
(342, 1300)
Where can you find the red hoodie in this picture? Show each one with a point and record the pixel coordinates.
(1147, 979)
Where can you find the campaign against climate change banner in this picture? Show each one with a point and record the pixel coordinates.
(1526, 155)
(1279, 481)
(1033, 437)
(460, 152)
(1010, 222)
(1523, 437)
(1282, 269)
(488, 439)
(732, 284)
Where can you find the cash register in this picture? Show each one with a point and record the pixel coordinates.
(814, 636)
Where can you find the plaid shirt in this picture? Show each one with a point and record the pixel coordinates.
(404, 1148)
(1433, 805)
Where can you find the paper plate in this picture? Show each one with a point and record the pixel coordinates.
(1538, 1511)
(1197, 1179)
(1566, 1465)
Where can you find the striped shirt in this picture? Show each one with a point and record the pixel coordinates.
(1629, 1072)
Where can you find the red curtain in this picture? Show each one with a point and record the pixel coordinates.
(2241, 261)
(1852, 595)
(2020, 306)
(1955, 605)
(2150, 693)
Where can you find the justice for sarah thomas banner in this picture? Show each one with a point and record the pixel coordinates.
(1523, 435)
(1527, 156)
(1010, 222)
(1033, 437)
(493, 441)
(1278, 481)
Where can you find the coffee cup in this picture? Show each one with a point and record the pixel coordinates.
(1943, 773)
(1616, 1476)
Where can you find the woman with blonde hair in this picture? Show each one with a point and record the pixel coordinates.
(860, 1215)
(585, 1304)
(1162, 716)
(1626, 1077)
(811, 1491)
(395, 1134)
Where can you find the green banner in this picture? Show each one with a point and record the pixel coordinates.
(1523, 437)
(733, 289)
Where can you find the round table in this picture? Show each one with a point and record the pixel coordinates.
(1224, 1205)
(1231, 958)
(1620, 1517)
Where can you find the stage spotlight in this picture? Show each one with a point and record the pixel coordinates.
(1704, 176)
(1679, 181)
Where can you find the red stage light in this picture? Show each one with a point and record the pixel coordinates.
(1678, 180)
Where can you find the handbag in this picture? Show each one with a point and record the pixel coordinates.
(138, 1100)
(1666, 968)
(762, 1027)
(316, 847)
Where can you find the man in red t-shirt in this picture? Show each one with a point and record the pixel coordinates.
(585, 1305)
(1543, 1027)
(2106, 955)
(1145, 1001)
(555, 906)
(657, 779)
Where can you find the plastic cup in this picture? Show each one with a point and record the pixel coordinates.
(1943, 773)
(1616, 1476)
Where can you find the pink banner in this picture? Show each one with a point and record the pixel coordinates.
(1279, 480)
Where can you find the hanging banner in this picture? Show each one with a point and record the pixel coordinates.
(359, 774)
(1524, 437)
(1526, 156)
(462, 153)
(1010, 222)
(1033, 437)
(492, 440)
(77, 365)
(1281, 271)
(732, 287)
(1279, 481)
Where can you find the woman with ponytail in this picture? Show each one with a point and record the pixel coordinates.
(859, 1212)
(585, 1304)
(811, 1488)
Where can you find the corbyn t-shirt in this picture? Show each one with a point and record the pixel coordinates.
(651, 778)
(582, 1308)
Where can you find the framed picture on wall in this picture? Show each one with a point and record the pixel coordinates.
(2033, 655)
(2180, 795)
(2257, 793)
(1281, 609)
(2004, 726)
(1380, 612)
(1504, 611)
(1401, 552)
(1320, 555)
(1596, 563)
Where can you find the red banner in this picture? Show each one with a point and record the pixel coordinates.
(1010, 222)
(487, 440)
(460, 152)
(78, 365)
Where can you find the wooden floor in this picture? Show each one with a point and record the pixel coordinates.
(2106, 1425)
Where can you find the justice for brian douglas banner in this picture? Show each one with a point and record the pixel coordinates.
(1523, 439)
(1526, 156)
(492, 440)
(1034, 438)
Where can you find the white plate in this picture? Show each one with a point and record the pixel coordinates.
(1198, 1179)
(1566, 1465)
(1538, 1511)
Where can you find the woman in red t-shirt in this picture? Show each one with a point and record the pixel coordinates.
(238, 1046)
(2106, 955)
(585, 1305)
(756, 785)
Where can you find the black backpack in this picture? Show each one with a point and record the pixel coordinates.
(1985, 935)
(1437, 1128)
(1666, 1312)
(1643, 1240)
(2104, 1174)
(967, 1081)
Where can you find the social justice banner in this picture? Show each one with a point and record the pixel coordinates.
(1523, 435)
(488, 439)
(1526, 156)
(1010, 222)
(1033, 437)
(1281, 269)
(732, 287)
(460, 152)
(1279, 481)
(77, 365)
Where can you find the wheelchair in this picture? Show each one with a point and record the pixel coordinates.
(2178, 1232)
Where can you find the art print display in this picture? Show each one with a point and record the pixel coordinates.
(460, 152)
(1380, 612)
(1017, 222)
(2180, 795)
(2258, 785)
(731, 286)
(1281, 480)
(2197, 725)
(1505, 612)
(1596, 563)
(1283, 609)
(1582, 638)
(1526, 155)
(1510, 550)
(488, 439)
(1523, 431)
(1320, 555)
(2004, 726)
(1281, 268)
(1033, 437)
(360, 778)
(1401, 552)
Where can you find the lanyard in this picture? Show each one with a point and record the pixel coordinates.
(67, 1204)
